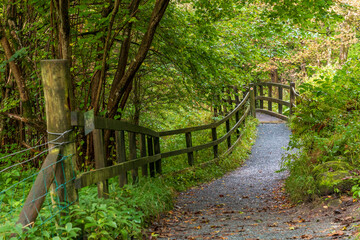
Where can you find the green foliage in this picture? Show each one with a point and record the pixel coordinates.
(326, 129)
(303, 12)
(122, 216)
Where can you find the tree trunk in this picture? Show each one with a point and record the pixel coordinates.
(343, 54)
(137, 102)
(19, 79)
(64, 29)
(274, 75)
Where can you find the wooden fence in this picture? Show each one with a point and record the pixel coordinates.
(151, 154)
(275, 94)
(56, 87)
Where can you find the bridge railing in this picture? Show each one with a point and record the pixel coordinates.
(281, 94)
(150, 160)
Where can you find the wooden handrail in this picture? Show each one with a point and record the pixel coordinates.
(109, 124)
(206, 145)
(207, 126)
(102, 174)
(119, 125)
(275, 100)
(272, 84)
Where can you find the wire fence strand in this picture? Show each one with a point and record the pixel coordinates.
(13, 197)
(60, 135)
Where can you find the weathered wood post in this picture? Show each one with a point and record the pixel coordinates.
(157, 151)
(100, 160)
(150, 145)
(280, 107)
(292, 98)
(252, 100)
(261, 87)
(214, 138)
(121, 155)
(270, 96)
(132, 155)
(227, 124)
(237, 117)
(58, 104)
(189, 145)
(144, 168)
(59, 99)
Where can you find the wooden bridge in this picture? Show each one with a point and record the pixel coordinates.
(272, 99)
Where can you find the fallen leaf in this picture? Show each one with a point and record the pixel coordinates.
(336, 233)
(306, 236)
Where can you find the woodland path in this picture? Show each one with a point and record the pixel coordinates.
(250, 203)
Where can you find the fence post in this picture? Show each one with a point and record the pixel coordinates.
(292, 98)
(121, 155)
(100, 158)
(143, 154)
(132, 155)
(157, 151)
(150, 145)
(58, 104)
(270, 96)
(227, 123)
(280, 107)
(261, 87)
(252, 100)
(189, 145)
(214, 138)
(237, 117)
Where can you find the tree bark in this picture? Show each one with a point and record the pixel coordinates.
(64, 29)
(19, 79)
(274, 75)
(38, 125)
(125, 47)
(343, 54)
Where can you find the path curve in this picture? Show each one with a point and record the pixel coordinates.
(249, 203)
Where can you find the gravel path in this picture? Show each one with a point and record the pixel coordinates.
(249, 203)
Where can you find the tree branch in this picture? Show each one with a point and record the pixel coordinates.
(36, 124)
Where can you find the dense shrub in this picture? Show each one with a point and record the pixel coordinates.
(326, 130)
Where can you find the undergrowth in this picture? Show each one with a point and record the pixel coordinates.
(326, 132)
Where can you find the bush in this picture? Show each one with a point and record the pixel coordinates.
(326, 130)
